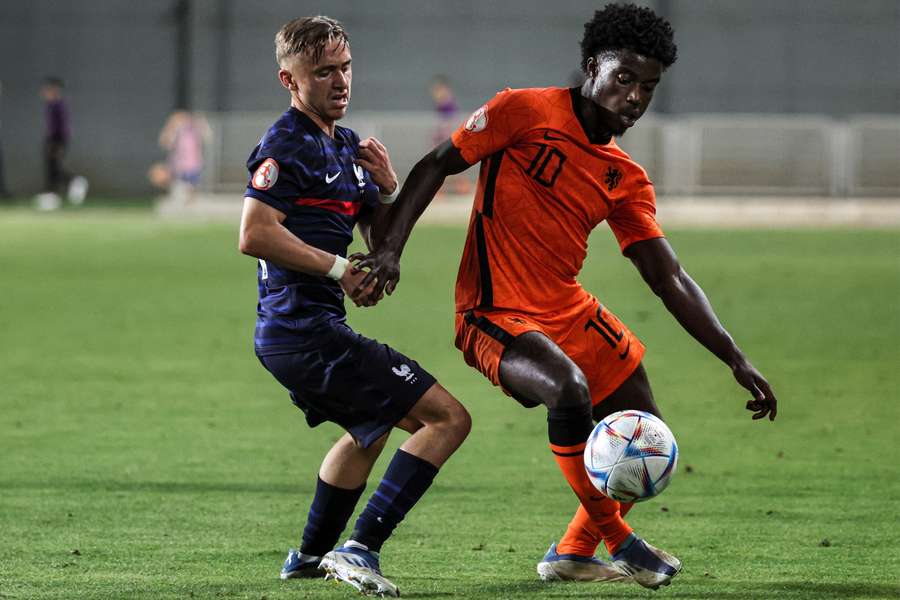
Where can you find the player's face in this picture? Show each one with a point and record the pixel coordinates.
(49, 92)
(323, 86)
(622, 83)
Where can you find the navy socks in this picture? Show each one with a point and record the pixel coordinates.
(407, 478)
(328, 515)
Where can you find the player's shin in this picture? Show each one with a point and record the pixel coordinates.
(406, 480)
(568, 429)
(328, 515)
(583, 535)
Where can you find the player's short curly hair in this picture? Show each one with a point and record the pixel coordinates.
(629, 27)
(307, 34)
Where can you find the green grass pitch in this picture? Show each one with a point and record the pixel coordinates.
(144, 452)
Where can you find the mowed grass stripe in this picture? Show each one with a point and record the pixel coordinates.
(137, 427)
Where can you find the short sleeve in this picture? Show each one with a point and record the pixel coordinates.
(496, 125)
(272, 183)
(634, 218)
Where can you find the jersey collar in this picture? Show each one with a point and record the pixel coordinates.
(574, 95)
(313, 128)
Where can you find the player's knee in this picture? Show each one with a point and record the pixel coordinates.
(454, 419)
(441, 410)
(570, 391)
(460, 420)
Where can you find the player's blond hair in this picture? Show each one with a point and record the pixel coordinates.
(307, 35)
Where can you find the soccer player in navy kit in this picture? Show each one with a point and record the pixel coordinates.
(311, 182)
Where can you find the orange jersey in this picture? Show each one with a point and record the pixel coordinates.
(542, 188)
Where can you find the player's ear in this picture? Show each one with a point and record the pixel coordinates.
(287, 80)
(591, 67)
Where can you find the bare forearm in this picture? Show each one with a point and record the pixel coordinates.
(418, 191)
(276, 244)
(421, 185)
(660, 268)
(689, 305)
(380, 222)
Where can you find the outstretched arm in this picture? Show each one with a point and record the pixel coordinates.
(660, 268)
(421, 185)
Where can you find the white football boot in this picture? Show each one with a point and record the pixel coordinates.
(354, 564)
(574, 567)
(77, 190)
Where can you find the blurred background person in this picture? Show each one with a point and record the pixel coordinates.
(184, 137)
(446, 110)
(56, 141)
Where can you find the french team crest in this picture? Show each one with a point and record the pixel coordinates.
(478, 121)
(266, 175)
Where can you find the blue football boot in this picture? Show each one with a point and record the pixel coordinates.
(298, 564)
(649, 566)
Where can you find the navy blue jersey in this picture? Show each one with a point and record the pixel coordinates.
(314, 180)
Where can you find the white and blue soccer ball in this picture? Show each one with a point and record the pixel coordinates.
(631, 456)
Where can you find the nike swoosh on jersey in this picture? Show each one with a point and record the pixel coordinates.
(330, 178)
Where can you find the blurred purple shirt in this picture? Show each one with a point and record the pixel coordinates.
(57, 115)
(447, 108)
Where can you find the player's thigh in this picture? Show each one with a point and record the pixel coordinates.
(605, 349)
(437, 406)
(535, 369)
(364, 386)
(633, 394)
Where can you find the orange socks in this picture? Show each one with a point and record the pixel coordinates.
(598, 517)
(582, 536)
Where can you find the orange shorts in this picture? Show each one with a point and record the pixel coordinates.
(594, 338)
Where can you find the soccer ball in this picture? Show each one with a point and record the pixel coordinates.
(631, 456)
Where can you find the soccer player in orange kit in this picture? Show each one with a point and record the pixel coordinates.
(551, 171)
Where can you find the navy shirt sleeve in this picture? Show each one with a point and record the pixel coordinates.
(277, 177)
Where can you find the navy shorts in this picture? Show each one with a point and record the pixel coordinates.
(340, 376)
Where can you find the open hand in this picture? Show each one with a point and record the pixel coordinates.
(764, 401)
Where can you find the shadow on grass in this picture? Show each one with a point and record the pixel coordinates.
(814, 589)
(721, 590)
(161, 487)
(189, 487)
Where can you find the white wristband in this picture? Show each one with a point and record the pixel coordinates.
(338, 268)
(390, 198)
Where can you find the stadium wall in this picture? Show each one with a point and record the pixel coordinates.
(122, 64)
